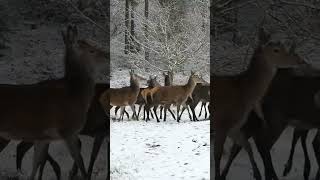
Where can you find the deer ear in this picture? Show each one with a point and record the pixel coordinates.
(192, 73)
(264, 37)
(64, 37)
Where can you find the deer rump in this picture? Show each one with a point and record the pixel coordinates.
(34, 103)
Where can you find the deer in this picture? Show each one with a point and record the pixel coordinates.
(236, 96)
(203, 105)
(96, 127)
(301, 133)
(200, 94)
(125, 96)
(152, 82)
(281, 110)
(168, 81)
(58, 111)
(176, 94)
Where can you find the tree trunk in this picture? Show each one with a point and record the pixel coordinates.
(133, 44)
(146, 14)
(126, 34)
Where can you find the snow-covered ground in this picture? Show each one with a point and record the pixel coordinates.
(165, 150)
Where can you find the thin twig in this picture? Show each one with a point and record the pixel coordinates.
(87, 18)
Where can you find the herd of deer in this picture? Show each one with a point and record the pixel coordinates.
(261, 102)
(189, 95)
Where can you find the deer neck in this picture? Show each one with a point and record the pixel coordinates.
(189, 87)
(134, 84)
(79, 75)
(257, 79)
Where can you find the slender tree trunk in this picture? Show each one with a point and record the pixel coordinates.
(133, 44)
(126, 34)
(146, 14)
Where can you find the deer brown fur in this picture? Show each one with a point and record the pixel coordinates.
(57, 111)
(176, 95)
(236, 96)
(125, 96)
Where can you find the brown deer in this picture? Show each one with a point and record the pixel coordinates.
(168, 81)
(96, 127)
(236, 96)
(290, 100)
(176, 95)
(57, 111)
(125, 96)
(152, 82)
(146, 92)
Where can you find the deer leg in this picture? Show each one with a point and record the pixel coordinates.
(147, 111)
(22, 148)
(264, 151)
(239, 137)
(116, 110)
(306, 170)
(161, 108)
(121, 113)
(288, 165)
(155, 113)
(151, 113)
(165, 114)
(42, 165)
(182, 110)
(219, 140)
(316, 149)
(3, 143)
(74, 170)
(140, 107)
(201, 110)
(133, 107)
(98, 140)
(205, 111)
(73, 146)
(39, 156)
(190, 117)
(235, 149)
(167, 108)
(55, 166)
(193, 107)
(144, 112)
(178, 110)
(125, 112)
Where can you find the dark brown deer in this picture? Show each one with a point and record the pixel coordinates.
(200, 94)
(290, 100)
(302, 135)
(125, 96)
(57, 111)
(235, 97)
(96, 127)
(176, 95)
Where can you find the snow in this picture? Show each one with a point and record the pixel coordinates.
(165, 150)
